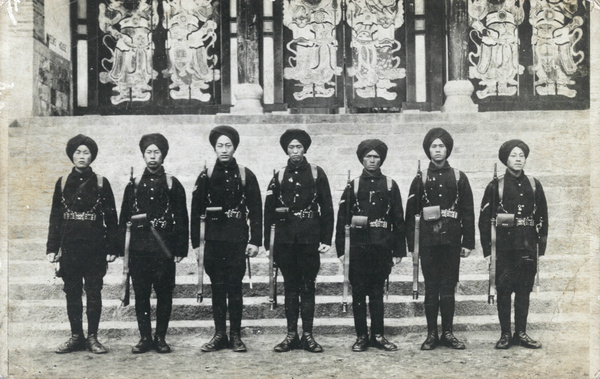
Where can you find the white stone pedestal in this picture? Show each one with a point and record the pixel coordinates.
(248, 97)
(458, 97)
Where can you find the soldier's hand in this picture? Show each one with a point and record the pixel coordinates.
(251, 250)
(178, 259)
(51, 257)
(323, 248)
(111, 258)
(464, 252)
(397, 260)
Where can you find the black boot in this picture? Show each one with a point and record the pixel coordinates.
(75, 343)
(161, 345)
(144, 345)
(522, 339)
(504, 341)
(450, 341)
(236, 343)
(218, 342)
(380, 342)
(308, 343)
(361, 344)
(290, 342)
(93, 345)
(431, 342)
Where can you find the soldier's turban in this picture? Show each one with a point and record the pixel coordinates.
(369, 145)
(508, 146)
(292, 134)
(224, 130)
(434, 134)
(79, 140)
(155, 139)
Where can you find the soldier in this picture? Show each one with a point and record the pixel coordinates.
(83, 237)
(155, 204)
(231, 191)
(299, 203)
(447, 233)
(376, 245)
(522, 199)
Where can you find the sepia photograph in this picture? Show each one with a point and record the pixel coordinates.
(299, 189)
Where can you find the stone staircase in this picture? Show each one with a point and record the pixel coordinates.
(559, 159)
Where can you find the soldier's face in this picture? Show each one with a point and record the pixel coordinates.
(516, 160)
(224, 149)
(371, 161)
(438, 151)
(295, 151)
(82, 157)
(153, 157)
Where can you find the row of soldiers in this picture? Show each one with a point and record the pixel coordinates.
(227, 218)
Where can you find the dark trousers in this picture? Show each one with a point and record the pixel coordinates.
(299, 266)
(440, 265)
(146, 273)
(225, 264)
(369, 267)
(82, 263)
(515, 273)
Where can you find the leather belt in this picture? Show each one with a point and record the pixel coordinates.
(303, 214)
(524, 222)
(378, 224)
(79, 216)
(448, 213)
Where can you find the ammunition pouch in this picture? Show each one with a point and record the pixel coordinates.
(432, 213)
(359, 222)
(449, 213)
(524, 221)
(505, 220)
(282, 214)
(214, 214)
(79, 216)
(303, 214)
(379, 223)
(140, 221)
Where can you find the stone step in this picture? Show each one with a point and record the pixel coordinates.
(330, 265)
(474, 284)
(44, 311)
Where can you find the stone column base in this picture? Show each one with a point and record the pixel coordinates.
(248, 96)
(458, 97)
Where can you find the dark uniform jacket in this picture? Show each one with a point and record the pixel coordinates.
(378, 204)
(299, 192)
(224, 189)
(101, 232)
(441, 189)
(518, 199)
(166, 210)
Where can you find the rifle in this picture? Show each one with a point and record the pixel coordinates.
(387, 288)
(200, 261)
(272, 274)
(125, 279)
(249, 271)
(415, 256)
(537, 258)
(493, 209)
(346, 251)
